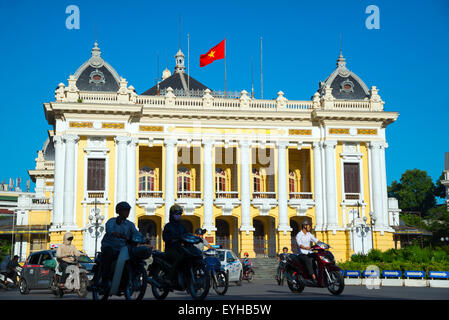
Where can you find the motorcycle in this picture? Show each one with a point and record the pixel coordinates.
(248, 272)
(192, 273)
(8, 283)
(280, 275)
(219, 277)
(328, 274)
(129, 274)
(76, 281)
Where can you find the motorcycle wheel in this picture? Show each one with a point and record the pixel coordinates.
(82, 292)
(137, 287)
(159, 276)
(98, 293)
(220, 283)
(250, 276)
(297, 287)
(23, 287)
(337, 283)
(281, 278)
(199, 282)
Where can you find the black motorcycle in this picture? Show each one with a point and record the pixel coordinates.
(130, 277)
(280, 276)
(192, 273)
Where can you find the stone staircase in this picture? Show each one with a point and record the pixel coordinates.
(265, 268)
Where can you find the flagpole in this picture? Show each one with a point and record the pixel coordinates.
(225, 69)
(261, 70)
(188, 64)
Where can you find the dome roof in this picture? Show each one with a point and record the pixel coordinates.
(96, 74)
(345, 84)
(179, 81)
(49, 149)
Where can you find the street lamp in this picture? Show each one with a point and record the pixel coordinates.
(362, 229)
(372, 222)
(96, 225)
(445, 239)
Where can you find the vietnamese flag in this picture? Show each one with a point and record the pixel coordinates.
(216, 53)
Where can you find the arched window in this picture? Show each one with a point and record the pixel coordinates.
(220, 180)
(291, 181)
(184, 179)
(146, 179)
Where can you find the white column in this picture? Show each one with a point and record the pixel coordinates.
(69, 179)
(131, 178)
(377, 182)
(208, 186)
(384, 191)
(318, 185)
(58, 197)
(331, 185)
(245, 186)
(121, 145)
(170, 145)
(282, 186)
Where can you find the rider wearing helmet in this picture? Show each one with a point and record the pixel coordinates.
(118, 231)
(65, 254)
(246, 262)
(173, 231)
(303, 239)
(199, 233)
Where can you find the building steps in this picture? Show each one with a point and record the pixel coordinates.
(265, 268)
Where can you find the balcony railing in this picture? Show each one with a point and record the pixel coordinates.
(40, 201)
(227, 194)
(264, 195)
(95, 194)
(301, 195)
(150, 194)
(352, 196)
(189, 194)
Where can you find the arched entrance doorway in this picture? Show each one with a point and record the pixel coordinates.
(264, 236)
(259, 238)
(295, 224)
(227, 234)
(151, 230)
(222, 235)
(295, 229)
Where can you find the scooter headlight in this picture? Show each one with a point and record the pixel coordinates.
(325, 259)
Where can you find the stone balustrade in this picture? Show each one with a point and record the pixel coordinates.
(208, 101)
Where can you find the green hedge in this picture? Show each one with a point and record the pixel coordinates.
(409, 258)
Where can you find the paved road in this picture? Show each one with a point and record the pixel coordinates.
(268, 290)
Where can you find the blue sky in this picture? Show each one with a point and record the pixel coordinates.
(407, 59)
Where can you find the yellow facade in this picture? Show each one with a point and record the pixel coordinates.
(133, 135)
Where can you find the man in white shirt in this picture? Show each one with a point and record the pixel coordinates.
(303, 239)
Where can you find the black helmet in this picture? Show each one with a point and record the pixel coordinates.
(122, 206)
(306, 223)
(175, 209)
(200, 231)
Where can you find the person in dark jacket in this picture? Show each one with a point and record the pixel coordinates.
(173, 231)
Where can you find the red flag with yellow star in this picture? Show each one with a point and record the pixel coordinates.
(216, 53)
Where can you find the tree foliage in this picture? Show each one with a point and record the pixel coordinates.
(415, 191)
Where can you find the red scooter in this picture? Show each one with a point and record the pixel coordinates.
(328, 274)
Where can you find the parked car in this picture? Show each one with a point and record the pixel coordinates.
(35, 275)
(231, 264)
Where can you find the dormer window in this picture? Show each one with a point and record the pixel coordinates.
(96, 77)
(347, 86)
